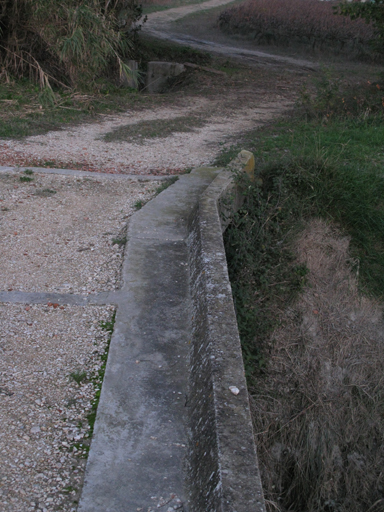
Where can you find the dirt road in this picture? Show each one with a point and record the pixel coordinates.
(161, 25)
(190, 125)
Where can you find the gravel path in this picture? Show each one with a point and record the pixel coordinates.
(83, 146)
(57, 234)
(64, 234)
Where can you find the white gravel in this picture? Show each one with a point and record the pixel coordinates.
(43, 422)
(65, 242)
(84, 146)
(59, 242)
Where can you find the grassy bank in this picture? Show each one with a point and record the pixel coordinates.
(310, 321)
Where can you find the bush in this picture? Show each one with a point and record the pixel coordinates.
(309, 22)
(71, 42)
(372, 12)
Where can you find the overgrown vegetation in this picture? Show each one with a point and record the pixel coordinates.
(313, 370)
(311, 23)
(67, 43)
(372, 12)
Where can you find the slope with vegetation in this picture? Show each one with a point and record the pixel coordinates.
(309, 23)
(306, 262)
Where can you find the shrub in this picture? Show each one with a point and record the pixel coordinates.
(371, 12)
(311, 22)
(70, 42)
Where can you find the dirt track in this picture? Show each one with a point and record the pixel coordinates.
(212, 109)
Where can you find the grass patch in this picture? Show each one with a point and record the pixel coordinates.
(155, 49)
(78, 376)
(333, 171)
(25, 179)
(158, 128)
(119, 241)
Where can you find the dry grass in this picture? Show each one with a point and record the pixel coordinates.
(287, 22)
(319, 408)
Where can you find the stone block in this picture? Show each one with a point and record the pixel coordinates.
(159, 73)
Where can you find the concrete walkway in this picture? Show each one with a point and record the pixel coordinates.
(136, 462)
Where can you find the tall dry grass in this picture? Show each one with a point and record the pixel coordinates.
(319, 408)
(310, 22)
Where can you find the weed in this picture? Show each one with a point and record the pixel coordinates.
(98, 379)
(262, 267)
(68, 489)
(25, 179)
(78, 376)
(119, 241)
(29, 172)
(138, 204)
(45, 192)
(165, 184)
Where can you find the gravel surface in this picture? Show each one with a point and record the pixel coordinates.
(83, 146)
(59, 233)
(43, 411)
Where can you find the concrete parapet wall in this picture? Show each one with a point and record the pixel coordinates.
(173, 425)
(222, 461)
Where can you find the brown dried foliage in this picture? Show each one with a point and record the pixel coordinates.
(309, 22)
(319, 408)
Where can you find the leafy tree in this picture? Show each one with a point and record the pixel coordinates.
(371, 11)
(71, 41)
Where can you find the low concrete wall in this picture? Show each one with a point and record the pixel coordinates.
(222, 462)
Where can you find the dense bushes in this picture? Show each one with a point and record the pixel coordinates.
(72, 41)
(309, 22)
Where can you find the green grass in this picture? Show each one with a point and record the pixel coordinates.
(24, 111)
(97, 380)
(78, 376)
(151, 48)
(329, 168)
